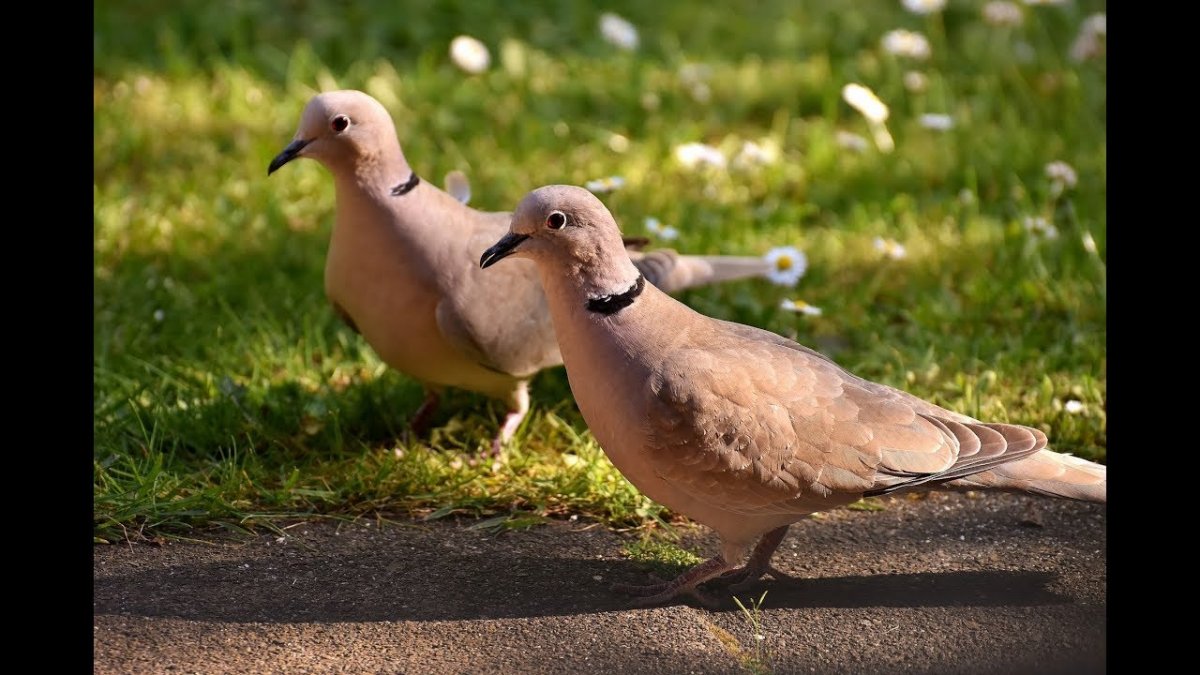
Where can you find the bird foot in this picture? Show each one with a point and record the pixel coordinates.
(742, 578)
(419, 424)
(685, 584)
(652, 595)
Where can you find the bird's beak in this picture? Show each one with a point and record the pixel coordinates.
(292, 151)
(502, 249)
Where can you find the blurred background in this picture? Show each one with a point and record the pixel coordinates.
(951, 208)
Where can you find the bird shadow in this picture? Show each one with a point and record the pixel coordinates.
(422, 583)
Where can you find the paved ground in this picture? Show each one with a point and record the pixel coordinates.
(947, 584)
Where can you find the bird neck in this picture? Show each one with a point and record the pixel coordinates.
(600, 277)
(611, 304)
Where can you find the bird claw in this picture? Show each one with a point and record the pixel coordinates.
(657, 594)
(743, 578)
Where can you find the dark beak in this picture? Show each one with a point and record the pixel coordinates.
(502, 249)
(289, 153)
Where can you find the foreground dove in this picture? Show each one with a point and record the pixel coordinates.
(401, 267)
(738, 428)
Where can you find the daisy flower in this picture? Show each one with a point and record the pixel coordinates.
(604, 185)
(890, 248)
(788, 264)
(1089, 244)
(799, 307)
(907, 44)
(999, 13)
(937, 121)
(1062, 177)
(1088, 44)
(664, 232)
(915, 81)
(866, 102)
(924, 6)
(1074, 407)
(1040, 227)
(756, 154)
(470, 54)
(692, 155)
(618, 31)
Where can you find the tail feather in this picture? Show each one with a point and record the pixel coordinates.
(1046, 473)
(672, 272)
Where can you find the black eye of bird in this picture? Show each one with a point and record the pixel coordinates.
(556, 220)
(339, 123)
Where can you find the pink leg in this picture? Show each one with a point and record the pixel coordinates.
(759, 562)
(512, 421)
(420, 419)
(684, 584)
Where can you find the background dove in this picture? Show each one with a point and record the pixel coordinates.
(738, 428)
(401, 266)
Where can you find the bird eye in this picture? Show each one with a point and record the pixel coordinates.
(339, 123)
(556, 220)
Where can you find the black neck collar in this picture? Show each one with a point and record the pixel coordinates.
(407, 186)
(611, 304)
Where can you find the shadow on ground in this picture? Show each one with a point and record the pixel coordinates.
(447, 571)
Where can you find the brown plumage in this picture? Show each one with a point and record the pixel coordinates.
(401, 265)
(736, 427)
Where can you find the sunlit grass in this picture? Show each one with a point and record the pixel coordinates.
(226, 391)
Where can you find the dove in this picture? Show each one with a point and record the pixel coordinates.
(401, 266)
(738, 428)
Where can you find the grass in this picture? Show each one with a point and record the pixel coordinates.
(228, 395)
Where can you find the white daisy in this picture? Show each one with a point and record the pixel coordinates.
(907, 44)
(924, 6)
(470, 54)
(1074, 407)
(866, 102)
(1062, 177)
(915, 81)
(1089, 42)
(693, 155)
(937, 121)
(1089, 244)
(618, 31)
(1040, 227)
(1096, 23)
(788, 264)
(999, 13)
(665, 232)
(756, 154)
(890, 248)
(1046, 2)
(799, 307)
(603, 185)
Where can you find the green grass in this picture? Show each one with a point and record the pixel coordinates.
(227, 393)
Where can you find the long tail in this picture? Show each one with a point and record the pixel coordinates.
(672, 272)
(1045, 473)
